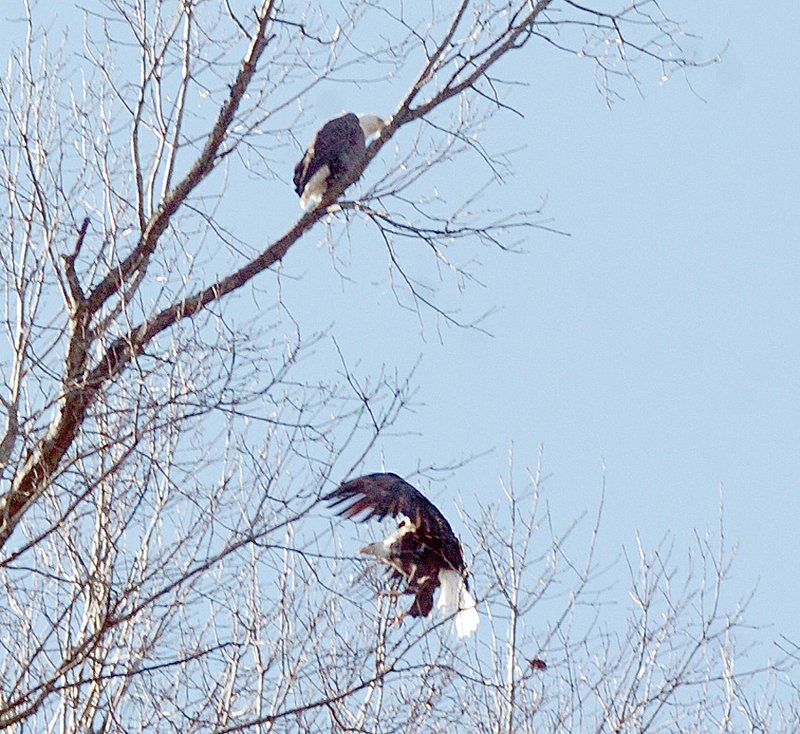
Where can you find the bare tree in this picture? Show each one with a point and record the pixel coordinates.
(565, 647)
(162, 455)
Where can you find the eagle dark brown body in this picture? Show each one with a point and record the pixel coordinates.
(336, 149)
(423, 550)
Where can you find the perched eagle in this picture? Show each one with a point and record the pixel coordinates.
(336, 149)
(423, 550)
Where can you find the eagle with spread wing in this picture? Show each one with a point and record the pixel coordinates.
(423, 550)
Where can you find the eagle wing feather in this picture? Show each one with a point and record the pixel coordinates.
(338, 145)
(424, 550)
(386, 494)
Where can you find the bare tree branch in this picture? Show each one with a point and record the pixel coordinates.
(170, 422)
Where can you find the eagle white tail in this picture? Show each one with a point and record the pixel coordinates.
(314, 190)
(454, 597)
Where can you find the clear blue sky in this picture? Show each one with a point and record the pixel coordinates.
(661, 338)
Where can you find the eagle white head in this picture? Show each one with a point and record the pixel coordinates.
(371, 125)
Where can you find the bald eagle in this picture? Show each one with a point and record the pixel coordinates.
(423, 550)
(336, 149)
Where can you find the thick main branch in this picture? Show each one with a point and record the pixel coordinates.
(80, 387)
(78, 394)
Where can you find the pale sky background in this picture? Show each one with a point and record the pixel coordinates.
(659, 339)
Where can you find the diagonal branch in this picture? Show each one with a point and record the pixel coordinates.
(507, 42)
(198, 172)
(82, 386)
